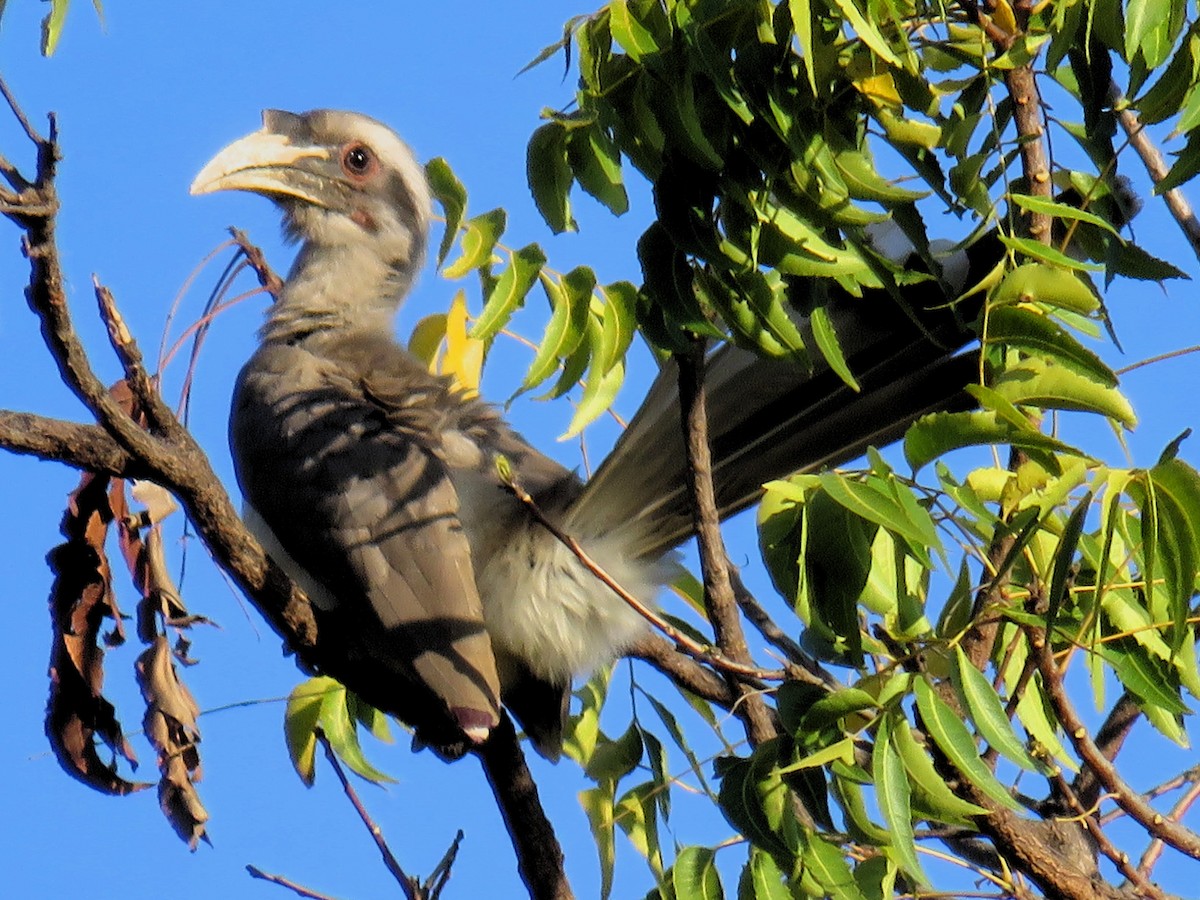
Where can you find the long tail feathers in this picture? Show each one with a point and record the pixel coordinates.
(770, 418)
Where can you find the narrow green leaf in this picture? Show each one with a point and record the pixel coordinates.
(937, 434)
(830, 346)
(1047, 284)
(761, 879)
(893, 793)
(596, 162)
(627, 31)
(478, 243)
(826, 864)
(1060, 210)
(694, 875)
(874, 505)
(52, 26)
(1037, 250)
(1041, 383)
(342, 733)
(452, 195)
(1016, 326)
(549, 175)
(598, 804)
(509, 291)
(300, 723)
(867, 32)
(802, 24)
(1142, 674)
(955, 741)
(1064, 560)
(987, 712)
(614, 759)
(555, 338)
(925, 778)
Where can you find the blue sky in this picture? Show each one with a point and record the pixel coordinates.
(142, 105)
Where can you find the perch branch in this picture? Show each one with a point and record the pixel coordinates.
(539, 855)
(82, 446)
(719, 598)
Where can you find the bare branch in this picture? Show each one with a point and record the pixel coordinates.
(82, 446)
(714, 561)
(301, 890)
(1182, 839)
(409, 885)
(539, 856)
(1156, 165)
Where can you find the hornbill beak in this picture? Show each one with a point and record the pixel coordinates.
(278, 161)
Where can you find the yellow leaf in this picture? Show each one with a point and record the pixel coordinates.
(463, 360)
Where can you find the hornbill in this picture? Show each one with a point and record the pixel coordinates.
(375, 485)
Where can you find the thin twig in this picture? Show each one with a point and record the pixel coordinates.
(409, 885)
(683, 641)
(1182, 839)
(1154, 851)
(256, 872)
(1091, 822)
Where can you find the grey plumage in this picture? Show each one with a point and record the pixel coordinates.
(374, 482)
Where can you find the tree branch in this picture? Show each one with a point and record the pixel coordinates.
(719, 599)
(81, 446)
(1182, 839)
(539, 856)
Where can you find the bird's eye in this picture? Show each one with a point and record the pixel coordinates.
(357, 159)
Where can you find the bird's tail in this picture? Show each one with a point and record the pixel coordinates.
(770, 418)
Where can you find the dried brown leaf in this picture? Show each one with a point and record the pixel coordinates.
(81, 600)
(170, 725)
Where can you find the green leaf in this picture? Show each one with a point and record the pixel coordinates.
(564, 329)
(867, 32)
(802, 25)
(627, 31)
(342, 733)
(300, 723)
(953, 739)
(509, 291)
(694, 875)
(1064, 560)
(875, 505)
(613, 760)
(1060, 210)
(925, 778)
(598, 806)
(596, 162)
(761, 879)
(52, 25)
(1037, 250)
(826, 864)
(452, 195)
(937, 434)
(1047, 284)
(893, 794)
(549, 175)
(1142, 674)
(599, 391)
(830, 346)
(1016, 326)
(1041, 383)
(987, 712)
(478, 243)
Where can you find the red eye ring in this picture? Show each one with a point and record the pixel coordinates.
(358, 160)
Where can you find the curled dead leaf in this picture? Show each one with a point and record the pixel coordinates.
(170, 724)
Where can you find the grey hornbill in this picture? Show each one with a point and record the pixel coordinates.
(374, 483)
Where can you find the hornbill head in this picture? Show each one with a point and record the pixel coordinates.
(344, 181)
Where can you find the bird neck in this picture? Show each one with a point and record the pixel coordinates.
(338, 288)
